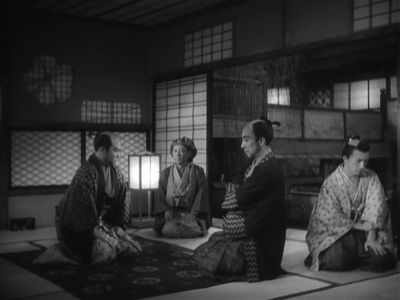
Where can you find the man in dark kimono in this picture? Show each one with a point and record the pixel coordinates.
(255, 214)
(92, 216)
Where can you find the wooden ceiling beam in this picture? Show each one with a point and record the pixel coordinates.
(120, 7)
(42, 4)
(58, 6)
(134, 12)
(196, 13)
(155, 11)
(73, 6)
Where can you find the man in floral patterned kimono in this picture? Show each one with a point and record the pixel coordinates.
(92, 216)
(350, 224)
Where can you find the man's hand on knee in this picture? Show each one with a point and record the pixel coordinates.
(168, 215)
(382, 237)
(375, 246)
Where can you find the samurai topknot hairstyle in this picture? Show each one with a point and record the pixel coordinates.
(102, 139)
(354, 142)
(263, 128)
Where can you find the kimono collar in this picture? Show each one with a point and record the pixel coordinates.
(180, 186)
(93, 159)
(267, 155)
(180, 180)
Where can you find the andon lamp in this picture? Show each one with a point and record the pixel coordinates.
(144, 172)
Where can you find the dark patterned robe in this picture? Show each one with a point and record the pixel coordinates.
(261, 197)
(256, 217)
(76, 216)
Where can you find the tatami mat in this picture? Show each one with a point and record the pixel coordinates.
(192, 244)
(242, 290)
(54, 296)
(293, 262)
(382, 288)
(300, 283)
(293, 259)
(7, 236)
(16, 247)
(16, 282)
(46, 243)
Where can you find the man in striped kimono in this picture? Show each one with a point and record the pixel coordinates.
(350, 224)
(254, 227)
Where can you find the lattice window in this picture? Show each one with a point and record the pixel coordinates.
(130, 143)
(111, 112)
(374, 13)
(181, 110)
(44, 158)
(208, 45)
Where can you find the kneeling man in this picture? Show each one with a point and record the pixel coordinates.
(92, 216)
(254, 228)
(350, 224)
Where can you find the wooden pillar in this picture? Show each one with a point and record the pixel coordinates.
(4, 115)
(397, 183)
(3, 165)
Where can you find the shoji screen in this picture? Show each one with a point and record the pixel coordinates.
(181, 110)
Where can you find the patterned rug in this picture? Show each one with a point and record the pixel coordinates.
(161, 269)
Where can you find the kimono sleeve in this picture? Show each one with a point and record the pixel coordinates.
(329, 209)
(328, 221)
(261, 197)
(201, 201)
(160, 203)
(260, 186)
(375, 210)
(77, 207)
(123, 205)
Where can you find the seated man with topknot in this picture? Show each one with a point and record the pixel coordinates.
(350, 224)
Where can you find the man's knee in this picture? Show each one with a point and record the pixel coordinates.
(171, 230)
(338, 257)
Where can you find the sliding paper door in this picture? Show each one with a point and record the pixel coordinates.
(181, 110)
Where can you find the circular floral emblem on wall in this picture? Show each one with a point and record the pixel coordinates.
(48, 80)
